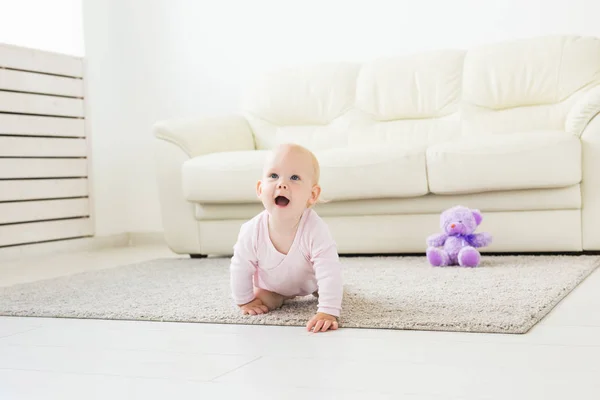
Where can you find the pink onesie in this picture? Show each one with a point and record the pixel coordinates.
(311, 264)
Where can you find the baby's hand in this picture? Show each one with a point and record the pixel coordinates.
(255, 307)
(322, 322)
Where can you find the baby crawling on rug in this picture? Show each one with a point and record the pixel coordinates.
(287, 249)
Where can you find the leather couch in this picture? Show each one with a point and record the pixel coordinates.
(508, 128)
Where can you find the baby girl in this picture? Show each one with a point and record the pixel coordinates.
(287, 250)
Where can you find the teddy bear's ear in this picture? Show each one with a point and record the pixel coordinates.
(478, 216)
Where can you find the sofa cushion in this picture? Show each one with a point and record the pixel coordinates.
(481, 163)
(526, 84)
(311, 95)
(529, 72)
(415, 86)
(227, 177)
(372, 172)
(323, 105)
(346, 174)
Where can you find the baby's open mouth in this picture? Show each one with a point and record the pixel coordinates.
(282, 201)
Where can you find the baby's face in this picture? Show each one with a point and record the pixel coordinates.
(288, 184)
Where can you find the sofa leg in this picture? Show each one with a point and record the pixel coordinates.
(198, 256)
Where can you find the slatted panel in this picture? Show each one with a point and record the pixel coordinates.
(16, 57)
(27, 211)
(38, 189)
(11, 124)
(13, 146)
(25, 103)
(44, 188)
(44, 231)
(32, 82)
(27, 168)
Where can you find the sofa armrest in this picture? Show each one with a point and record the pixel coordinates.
(177, 141)
(583, 111)
(206, 135)
(590, 183)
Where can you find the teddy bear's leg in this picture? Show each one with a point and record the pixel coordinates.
(468, 257)
(437, 257)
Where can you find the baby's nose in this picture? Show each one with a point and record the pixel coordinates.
(282, 186)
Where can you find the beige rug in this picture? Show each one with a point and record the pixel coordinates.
(507, 294)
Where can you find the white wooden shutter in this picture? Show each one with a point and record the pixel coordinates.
(44, 163)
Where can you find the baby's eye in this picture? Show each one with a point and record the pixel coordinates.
(295, 178)
(273, 176)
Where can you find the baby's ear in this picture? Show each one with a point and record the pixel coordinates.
(258, 188)
(478, 216)
(315, 194)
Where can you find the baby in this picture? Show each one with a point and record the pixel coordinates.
(287, 250)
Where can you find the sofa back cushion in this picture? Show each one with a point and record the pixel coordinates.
(527, 84)
(418, 86)
(401, 100)
(300, 96)
(421, 99)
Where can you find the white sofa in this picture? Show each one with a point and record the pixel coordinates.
(507, 128)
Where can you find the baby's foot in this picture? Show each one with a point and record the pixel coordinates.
(255, 307)
(271, 299)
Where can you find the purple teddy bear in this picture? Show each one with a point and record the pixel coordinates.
(457, 244)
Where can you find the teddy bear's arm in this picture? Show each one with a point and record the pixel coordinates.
(481, 239)
(437, 239)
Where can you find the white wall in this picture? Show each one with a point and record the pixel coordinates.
(51, 25)
(149, 60)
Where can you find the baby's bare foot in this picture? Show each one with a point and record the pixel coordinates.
(271, 299)
(255, 307)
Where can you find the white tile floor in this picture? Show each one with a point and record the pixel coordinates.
(88, 359)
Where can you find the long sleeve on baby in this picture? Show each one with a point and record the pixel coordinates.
(243, 267)
(328, 270)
